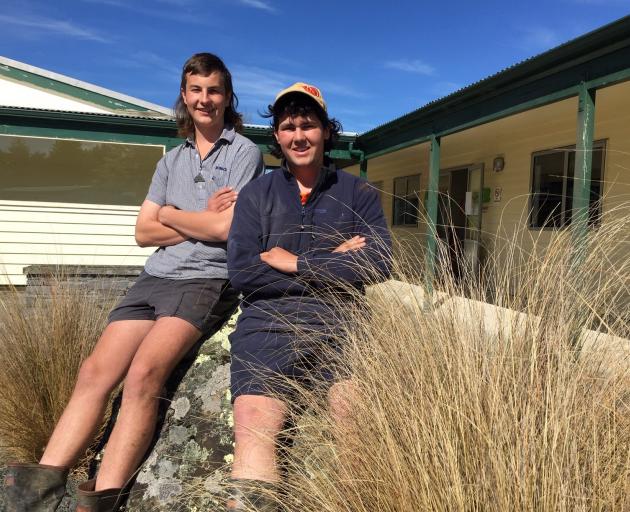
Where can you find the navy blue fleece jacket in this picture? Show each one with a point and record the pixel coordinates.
(269, 213)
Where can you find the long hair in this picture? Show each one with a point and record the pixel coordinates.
(205, 64)
(295, 105)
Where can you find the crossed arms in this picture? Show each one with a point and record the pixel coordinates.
(286, 261)
(166, 225)
(363, 258)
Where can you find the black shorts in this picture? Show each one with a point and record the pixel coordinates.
(204, 303)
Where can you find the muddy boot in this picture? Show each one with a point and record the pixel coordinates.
(34, 487)
(247, 495)
(107, 500)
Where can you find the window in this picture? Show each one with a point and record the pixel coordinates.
(406, 201)
(552, 187)
(73, 171)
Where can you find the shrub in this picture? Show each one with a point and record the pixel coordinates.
(458, 404)
(43, 341)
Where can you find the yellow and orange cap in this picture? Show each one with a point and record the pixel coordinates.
(310, 90)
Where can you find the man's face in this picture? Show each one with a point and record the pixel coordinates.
(302, 141)
(206, 99)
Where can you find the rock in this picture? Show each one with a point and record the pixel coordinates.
(187, 464)
(191, 452)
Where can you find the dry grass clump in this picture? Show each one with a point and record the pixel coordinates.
(43, 341)
(459, 405)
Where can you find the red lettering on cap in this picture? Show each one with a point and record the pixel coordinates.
(312, 90)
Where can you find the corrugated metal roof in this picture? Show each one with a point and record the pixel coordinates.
(553, 52)
(140, 115)
(73, 82)
(132, 114)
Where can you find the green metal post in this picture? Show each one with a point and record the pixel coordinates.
(432, 205)
(363, 168)
(582, 174)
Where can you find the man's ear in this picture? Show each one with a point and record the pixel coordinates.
(275, 134)
(183, 95)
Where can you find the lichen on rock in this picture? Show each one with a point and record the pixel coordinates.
(187, 465)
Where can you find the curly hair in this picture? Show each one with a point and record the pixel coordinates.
(205, 64)
(296, 104)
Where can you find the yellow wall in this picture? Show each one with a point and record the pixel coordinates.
(516, 138)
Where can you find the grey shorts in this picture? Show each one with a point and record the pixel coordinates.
(203, 303)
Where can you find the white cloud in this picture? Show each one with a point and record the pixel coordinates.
(52, 26)
(262, 85)
(259, 85)
(177, 3)
(151, 61)
(258, 4)
(337, 89)
(411, 66)
(445, 88)
(598, 2)
(173, 10)
(113, 3)
(540, 38)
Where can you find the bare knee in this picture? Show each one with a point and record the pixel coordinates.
(94, 377)
(258, 418)
(144, 381)
(341, 396)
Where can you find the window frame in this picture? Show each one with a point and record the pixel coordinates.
(396, 198)
(157, 144)
(598, 144)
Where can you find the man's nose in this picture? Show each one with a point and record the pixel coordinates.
(205, 97)
(299, 134)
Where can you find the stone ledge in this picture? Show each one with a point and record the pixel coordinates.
(82, 270)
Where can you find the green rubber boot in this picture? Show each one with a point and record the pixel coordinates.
(249, 495)
(107, 500)
(34, 487)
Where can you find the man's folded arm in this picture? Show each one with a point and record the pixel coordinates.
(372, 263)
(205, 225)
(150, 232)
(247, 272)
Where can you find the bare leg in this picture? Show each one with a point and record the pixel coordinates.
(341, 396)
(99, 374)
(162, 348)
(257, 423)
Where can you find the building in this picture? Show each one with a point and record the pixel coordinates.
(539, 147)
(536, 148)
(76, 161)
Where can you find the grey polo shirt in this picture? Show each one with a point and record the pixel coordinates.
(185, 181)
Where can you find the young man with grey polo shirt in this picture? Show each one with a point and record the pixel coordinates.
(182, 293)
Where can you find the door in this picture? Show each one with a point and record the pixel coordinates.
(472, 209)
(459, 218)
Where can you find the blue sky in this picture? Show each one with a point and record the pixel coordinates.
(373, 60)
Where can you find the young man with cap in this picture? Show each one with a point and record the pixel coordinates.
(182, 294)
(303, 234)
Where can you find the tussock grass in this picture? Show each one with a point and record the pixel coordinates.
(509, 392)
(43, 341)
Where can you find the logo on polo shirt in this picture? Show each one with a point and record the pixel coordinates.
(220, 168)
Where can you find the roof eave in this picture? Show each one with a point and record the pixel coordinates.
(587, 47)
